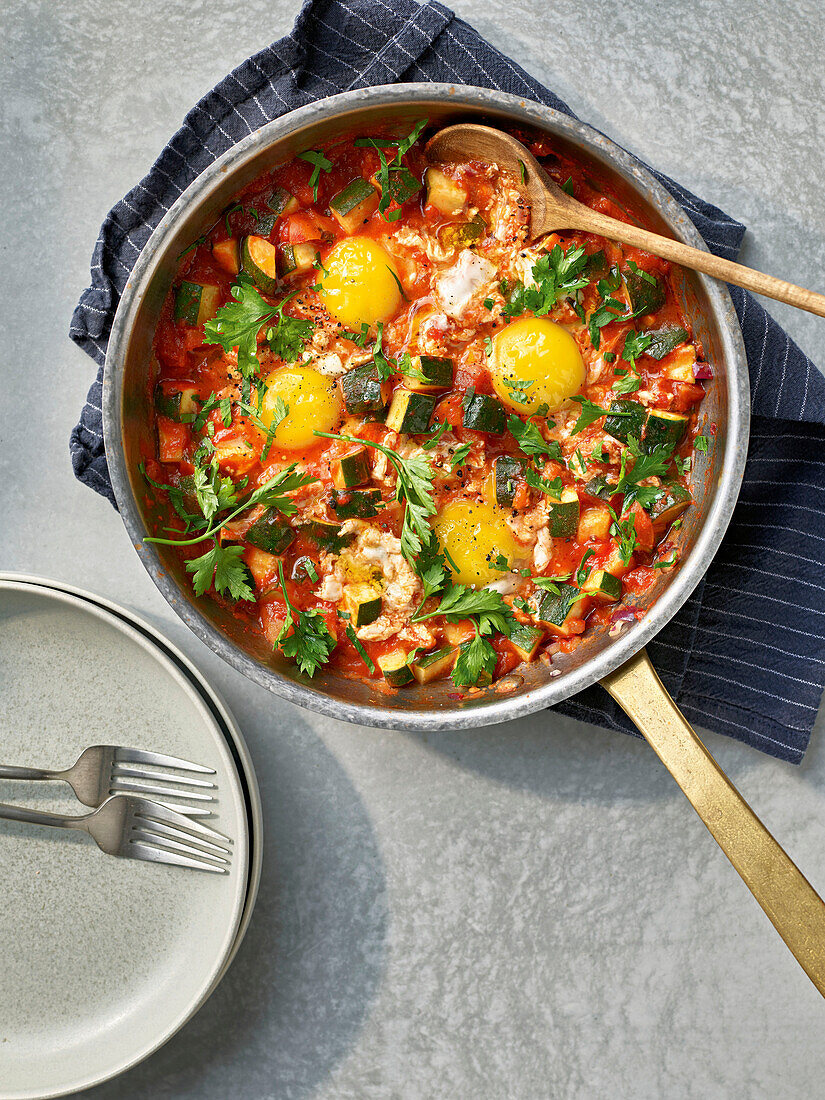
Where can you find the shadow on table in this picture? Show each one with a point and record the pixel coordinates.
(305, 978)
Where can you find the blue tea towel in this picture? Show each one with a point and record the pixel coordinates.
(745, 656)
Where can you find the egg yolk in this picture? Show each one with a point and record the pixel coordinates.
(313, 401)
(360, 284)
(536, 362)
(474, 535)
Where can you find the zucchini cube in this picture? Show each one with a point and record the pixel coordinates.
(645, 291)
(363, 390)
(602, 586)
(363, 603)
(525, 640)
(555, 612)
(483, 413)
(674, 500)
(327, 536)
(351, 469)
(195, 304)
(281, 203)
(355, 503)
(447, 196)
(508, 471)
(354, 204)
(563, 515)
(664, 340)
(430, 374)
(410, 411)
(395, 667)
(625, 418)
(295, 259)
(259, 260)
(270, 532)
(426, 667)
(464, 234)
(664, 428)
(180, 405)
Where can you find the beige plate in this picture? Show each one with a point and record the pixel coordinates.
(105, 959)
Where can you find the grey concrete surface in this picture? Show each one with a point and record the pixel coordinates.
(524, 911)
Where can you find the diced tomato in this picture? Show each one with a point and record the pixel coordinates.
(644, 528)
(173, 438)
(307, 225)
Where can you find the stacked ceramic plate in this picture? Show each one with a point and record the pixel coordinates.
(104, 959)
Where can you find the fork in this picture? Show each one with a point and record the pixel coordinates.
(138, 828)
(102, 770)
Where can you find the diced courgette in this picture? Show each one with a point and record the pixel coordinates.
(355, 503)
(295, 259)
(410, 412)
(596, 265)
(447, 196)
(270, 532)
(599, 488)
(259, 260)
(625, 418)
(429, 666)
(664, 428)
(645, 291)
(555, 612)
(196, 303)
(463, 234)
(395, 667)
(351, 469)
(327, 536)
(526, 640)
(484, 413)
(664, 340)
(362, 602)
(429, 374)
(563, 515)
(281, 203)
(602, 586)
(363, 390)
(508, 472)
(353, 205)
(180, 404)
(674, 500)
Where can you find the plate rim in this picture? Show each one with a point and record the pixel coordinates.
(146, 639)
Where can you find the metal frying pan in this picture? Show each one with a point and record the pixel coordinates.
(619, 663)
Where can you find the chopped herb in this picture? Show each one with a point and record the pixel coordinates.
(310, 643)
(289, 335)
(501, 564)
(222, 568)
(237, 324)
(523, 171)
(459, 456)
(556, 274)
(535, 481)
(568, 186)
(320, 164)
(530, 439)
(582, 571)
(396, 181)
(701, 443)
(365, 657)
(438, 429)
(231, 210)
(589, 415)
(518, 388)
(488, 303)
(625, 531)
(665, 564)
(609, 357)
(488, 346)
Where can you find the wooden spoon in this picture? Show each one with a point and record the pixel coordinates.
(551, 209)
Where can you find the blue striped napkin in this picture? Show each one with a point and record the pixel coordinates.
(746, 654)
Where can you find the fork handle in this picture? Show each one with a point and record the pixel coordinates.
(8, 772)
(43, 817)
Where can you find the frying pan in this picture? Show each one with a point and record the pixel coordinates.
(619, 662)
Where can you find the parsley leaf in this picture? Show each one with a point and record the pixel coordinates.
(625, 530)
(459, 455)
(222, 567)
(485, 604)
(530, 439)
(518, 388)
(437, 431)
(556, 274)
(552, 488)
(396, 181)
(582, 571)
(365, 657)
(474, 660)
(310, 643)
(701, 443)
(289, 336)
(589, 415)
(237, 324)
(320, 163)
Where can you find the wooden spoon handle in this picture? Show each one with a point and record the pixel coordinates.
(695, 258)
(793, 906)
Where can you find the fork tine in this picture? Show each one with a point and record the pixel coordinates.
(159, 829)
(168, 838)
(153, 811)
(147, 773)
(153, 788)
(141, 756)
(189, 811)
(139, 850)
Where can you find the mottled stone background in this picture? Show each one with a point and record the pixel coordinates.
(530, 910)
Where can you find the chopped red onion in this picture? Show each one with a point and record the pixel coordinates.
(623, 615)
(703, 371)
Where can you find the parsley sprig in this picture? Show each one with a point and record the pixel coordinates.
(414, 489)
(557, 274)
(310, 643)
(237, 324)
(489, 615)
(530, 440)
